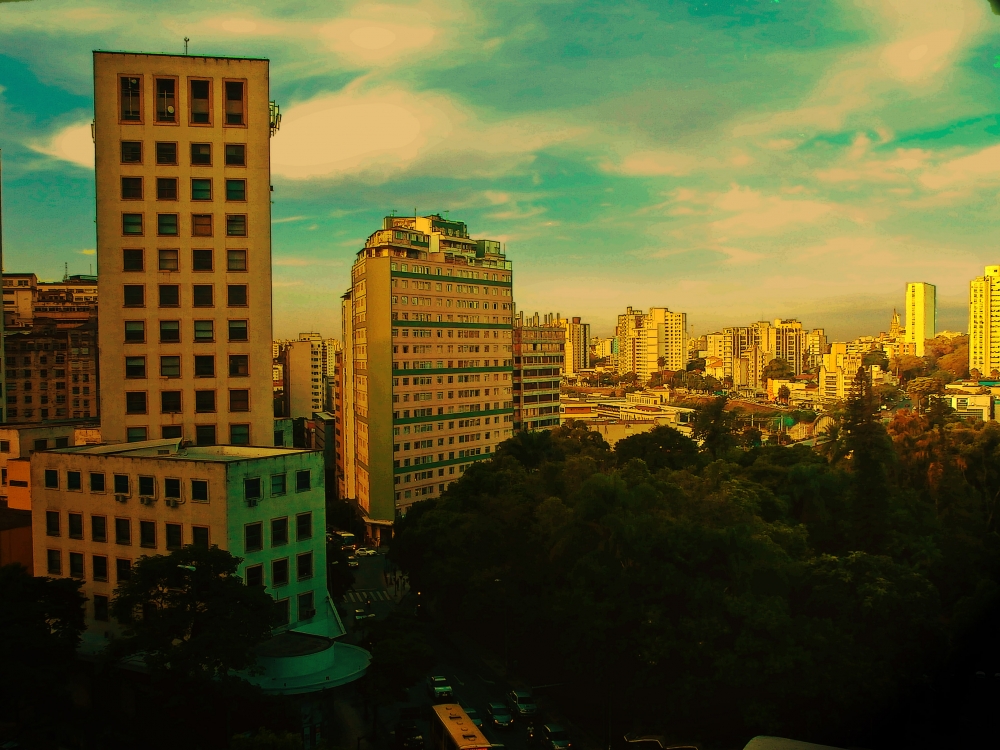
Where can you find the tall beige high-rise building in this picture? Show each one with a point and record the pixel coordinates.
(631, 344)
(666, 342)
(184, 247)
(921, 314)
(984, 323)
(577, 344)
(428, 324)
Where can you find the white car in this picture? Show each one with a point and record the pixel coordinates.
(365, 552)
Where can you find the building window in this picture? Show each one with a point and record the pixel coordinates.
(76, 525)
(302, 481)
(303, 526)
(135, 331)
(199, 490)
(170, 331)
(204, 401)
(204, 330)
(131, 188)
(304, 566)
(255, 575)
(174, 536)
(166, 103)
(234, 103)
(236, 225)
(147, 486)
(279, 526)
(201, 189)
(236, 155)
(278, 487)
(122, 484)
(135, 367)
(236, 260)
(204, 434)
(170, 295)
(131, 152)
(238, 330)
(201, 260)
(171, 432)
(201, 154)
(132, 224)
(73, 482)
(98, 527)
(123, 570)
(204, 366)
(168, 260)
(237, 295)
(123, 531)
(96, 481)
(166, 225)
(166, 153)
(53, 560)
(199, 536)
(172, 488)
(170, 402)
(236, 190)
(203, 295)
(76, 565)
(134, 295)
(135, 402)
(239, 434)
(279, 572)
(201, 108)
(239, 400)
(306, 608)
(147, 534)
(239, 365)
(201, 225)
(135, 434)
(51, 517)
(166, 187)
(131, 99)
(99, 567)
(253, 535)
(170, 367)
(101, 607)
(51, 478)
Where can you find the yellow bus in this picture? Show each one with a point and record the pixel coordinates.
(452, 729)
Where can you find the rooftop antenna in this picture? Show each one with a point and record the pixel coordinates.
(66, 272)
(186, 40)
(392, 212)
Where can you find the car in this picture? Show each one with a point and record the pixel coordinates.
(352, 562)
(652, 742)
(360, 614)
(500, 715)
(522, 703)
(365, 552)
(555, 737)
(472, 714)
(439, 689)
(407, 736)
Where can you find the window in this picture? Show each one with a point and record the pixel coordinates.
(123, 531)
(251, 488)
(237, 295)
(53, 560)
(166, 153)
(147, 534)
(174, 536)
(51, 521)
(76, 525)
(204, 401)
(204, 366)
(236, 260)
(172, 488)
(253, 536)
(135, 434)
(62, 442)
(131, 99)
(239, 400)
(306, 608)
(199, 536)
(279, 572)
(168, 260)
(170, 331)
(204, 434)
(239, 365)
(132, 260)
(166, 225)
(283, 611)
(135, 402)
(204, 330)
(201, 154)
(234, 103)
(131, 152)
(170, 367)
(123, 570)
(304, 566)
(98, 528)
(279, 438)
(131, 188)
(135, 367)
(76, 565)
(166, 188)
(147, 486)
(4, 446)
(201, 260)
(121, 484)
(96, 481)
(170, 402)
(255, 575)
(170, 295)
(135, 331)
(303, 526)
(236, 190)
(279, 526)
(236, 225)
(134, 295)
(302, 481)
(238, 330)
(199, 490)
(201, 225)
(203, 295)
(236, 155)
(166, 100)
(52, 479)
(74, 482)
(201, 189)
(171, 431)
(278, 484)
(239, 434)
(132, 224)
(200, 102)
(101, 606)
(99, 567)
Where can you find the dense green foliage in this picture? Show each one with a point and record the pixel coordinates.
(716, 592)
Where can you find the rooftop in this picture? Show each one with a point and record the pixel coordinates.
(171, 54)
(178, 449)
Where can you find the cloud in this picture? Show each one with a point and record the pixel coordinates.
(981, 166)
(653, 164)
(87, 252)
(287, 219)
(73, 143)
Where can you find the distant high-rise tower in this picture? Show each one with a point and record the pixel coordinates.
(984, 323)
(921, 314)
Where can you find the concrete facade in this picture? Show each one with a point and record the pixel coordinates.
(984, 323)
(539, 356)
(921, 314)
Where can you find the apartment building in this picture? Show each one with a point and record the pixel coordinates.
(627, 331)
(666, 343)
(428, 324)
(921, 314)
(540, 351)
(307, 365)
(69, 302)
(183, 246)
(577, 344)
(746, 350)
(984, 323)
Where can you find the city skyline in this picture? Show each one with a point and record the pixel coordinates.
(715, 191)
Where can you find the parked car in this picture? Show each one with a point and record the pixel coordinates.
(407, 736)
(352, 562)
(360, 614)
(500, 715)
(365, 552)
(555, 737)
(439, 689)
(522, 703)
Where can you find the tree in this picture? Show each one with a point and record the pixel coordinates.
(876, 357)
(713, 426)
(777, 369)
(921, 389)
(663, 446)
(784, 394)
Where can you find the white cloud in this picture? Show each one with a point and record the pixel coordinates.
(287, 219)
(73, 143)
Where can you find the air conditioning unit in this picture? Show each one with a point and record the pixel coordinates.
(252, 502)
(171, 502)
(121, 498)
(146, 499)
(307, 613)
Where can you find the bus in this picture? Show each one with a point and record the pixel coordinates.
(345, 539)
(452, 729)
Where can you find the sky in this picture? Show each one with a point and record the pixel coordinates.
(736, 160)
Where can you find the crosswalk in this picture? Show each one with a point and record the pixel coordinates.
(360, 597)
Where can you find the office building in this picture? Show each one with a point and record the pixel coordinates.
(183, 247)
(921, 314)
(429, 325)
(666, 343)
(540, 350)
(307, 365)
(70, 302)
(984, 323)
